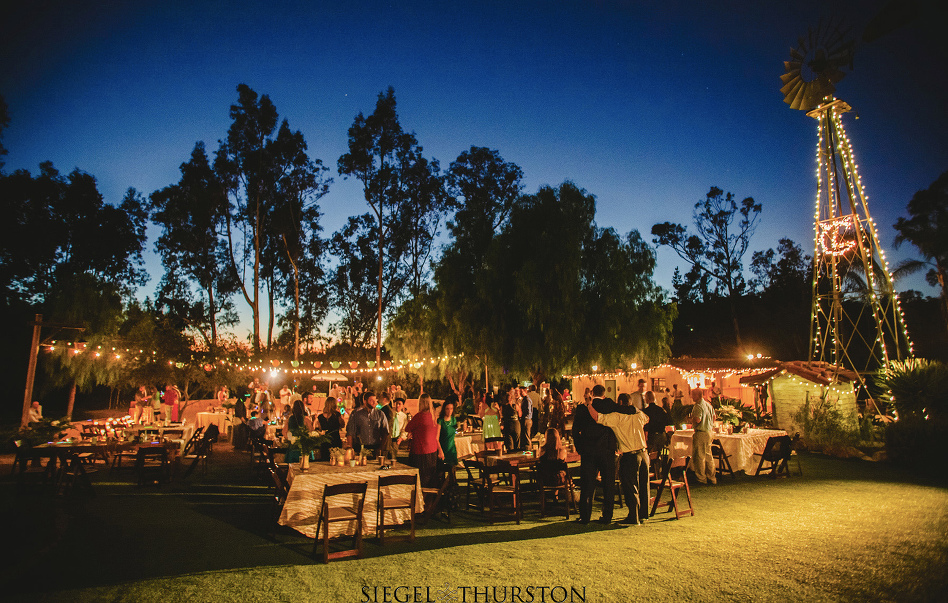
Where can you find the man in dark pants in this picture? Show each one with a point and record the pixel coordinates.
(596, 445)
(633, 459)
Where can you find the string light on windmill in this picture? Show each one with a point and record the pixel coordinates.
(846, 242)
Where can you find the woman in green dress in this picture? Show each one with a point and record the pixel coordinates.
(447, 427)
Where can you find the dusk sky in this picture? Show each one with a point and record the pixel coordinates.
(646, 105)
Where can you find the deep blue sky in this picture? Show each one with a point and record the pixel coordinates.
(643, 104)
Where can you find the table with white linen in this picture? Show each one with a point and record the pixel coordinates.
(222, 420)
(469, 443)
(741, 447)
(177, 433)
(305, 498)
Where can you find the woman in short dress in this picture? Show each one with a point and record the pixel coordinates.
(447, 428)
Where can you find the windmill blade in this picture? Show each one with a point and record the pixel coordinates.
(815, 65)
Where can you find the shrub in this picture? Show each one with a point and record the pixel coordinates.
(824, 426)
(917, 389)
(918, 392)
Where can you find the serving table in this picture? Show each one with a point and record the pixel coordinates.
(305, 498)
(740, 447)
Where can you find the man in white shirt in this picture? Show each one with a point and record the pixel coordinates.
(638, 396)
(633, 460)
(702, 416)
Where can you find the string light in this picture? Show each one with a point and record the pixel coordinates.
(838, 232)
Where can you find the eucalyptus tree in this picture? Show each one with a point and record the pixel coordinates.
(719, 245)
(263, 169)
(191, 215)
(353, 284)
(405, 192)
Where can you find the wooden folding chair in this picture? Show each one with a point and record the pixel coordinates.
(72, 473)
(722, 458)
(193, 440)
(389, 502)
(497, 490)
(794, 444)
(202, 449)
(777, 456)
(548, 467)
(338, 514)
(673, 485)
(475, 484)
(439, 498)
(152, 466)
(31, 472)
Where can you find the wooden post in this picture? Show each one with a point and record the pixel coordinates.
(31, 371)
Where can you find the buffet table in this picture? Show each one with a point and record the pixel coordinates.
(305, 498)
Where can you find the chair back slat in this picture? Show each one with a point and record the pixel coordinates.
(392, 480)
(346, 488)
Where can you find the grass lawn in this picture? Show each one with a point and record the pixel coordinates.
(845, 531)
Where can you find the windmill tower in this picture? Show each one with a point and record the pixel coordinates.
(856, 322)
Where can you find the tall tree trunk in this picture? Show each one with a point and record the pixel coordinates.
(256, 278)
(378, 339)
(212, 310)
(71, 400)
(272, 313)
(296, 301)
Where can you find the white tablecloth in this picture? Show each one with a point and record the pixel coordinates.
(180, 434)
(214, 418)
(301, 510)
(468, 444)
(741, 447)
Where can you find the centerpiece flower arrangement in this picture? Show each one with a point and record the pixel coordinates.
(45, 430)
(307, 442)
(729, 414)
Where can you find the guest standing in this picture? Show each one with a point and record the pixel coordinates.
(702, 416)
(367, 426)
(424, 450)
(490, 416)
(330, 422)
(657, 421)
(633, 460)
(596, 445)
(296, 424)
(510, 415)
(447, 428)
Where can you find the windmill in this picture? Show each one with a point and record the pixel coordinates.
(856, 322)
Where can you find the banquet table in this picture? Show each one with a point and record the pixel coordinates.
(60, 453)
(303, 502)
(176, 433)
(222, 420)
(523, 459)
(741, 447)
(469, 443)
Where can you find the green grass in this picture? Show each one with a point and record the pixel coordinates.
(845, 531)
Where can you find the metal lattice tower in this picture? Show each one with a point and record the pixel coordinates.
(856, 319)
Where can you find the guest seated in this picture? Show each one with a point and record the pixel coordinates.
(552, 464)
(36, 412)
(258, 427)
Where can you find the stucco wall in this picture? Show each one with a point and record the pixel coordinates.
(789, 394)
